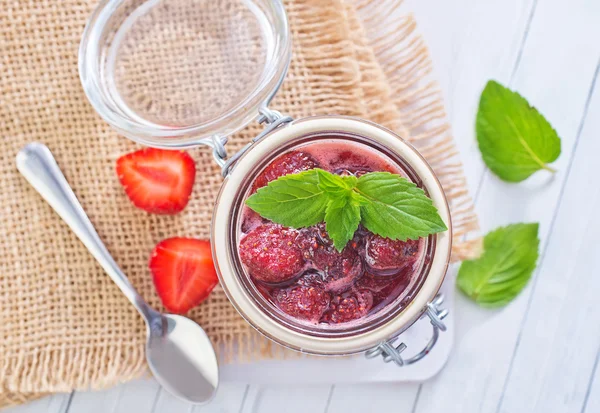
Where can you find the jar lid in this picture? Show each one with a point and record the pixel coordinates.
(176, 73)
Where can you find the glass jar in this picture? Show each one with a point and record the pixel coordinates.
(386, 323)
(160, 72)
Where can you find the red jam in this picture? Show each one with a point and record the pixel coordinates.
(300, 271)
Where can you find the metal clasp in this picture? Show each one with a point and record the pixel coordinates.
(272, 118)
(392, 352)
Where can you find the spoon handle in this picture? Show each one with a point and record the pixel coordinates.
(38, 166)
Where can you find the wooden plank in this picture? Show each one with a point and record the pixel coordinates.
(288, 399)
(229, 399)
(58, 403)
(379, 397)
(591, 403)
(555, 74)
(137, 396)
(140, 396)
(95, 401)
(165, 402)
(559, 342)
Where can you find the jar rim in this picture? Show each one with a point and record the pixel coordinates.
(179, 137)
(240, 297)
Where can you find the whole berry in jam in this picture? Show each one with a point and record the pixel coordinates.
(271, 253)
(340, 269)
(306, 299)
(349, 306)
(289, 163)
(385, 256)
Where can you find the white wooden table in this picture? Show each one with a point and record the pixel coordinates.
(539, 354)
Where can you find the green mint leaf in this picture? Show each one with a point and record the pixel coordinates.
(506, 265)
(294, 200)
(386, 204)
(515, 140)
(395, 208)
(341, 220)
(335, 184)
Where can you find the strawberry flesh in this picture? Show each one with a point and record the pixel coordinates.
(385, 256)
(289, 163)
(341, 269)
(271, 253)
(156, 180)
(349, 306)
(306, 300)
(183, 273)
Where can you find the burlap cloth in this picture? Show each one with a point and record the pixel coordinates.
(64, 325)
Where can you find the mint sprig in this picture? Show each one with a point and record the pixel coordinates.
(515, 139)
(386, 204)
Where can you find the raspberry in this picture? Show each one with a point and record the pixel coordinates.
(289, 163)
(307, 300)
(271, 253)
(349, 306)
(386, 257)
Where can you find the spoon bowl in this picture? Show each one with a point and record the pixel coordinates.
(179, 352)
(178, 357)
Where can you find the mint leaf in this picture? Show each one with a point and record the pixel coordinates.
(341, 220)
(395, 208)
(505, 267)
(386, 204)
(294, 200)
(335, 184)
(515, 140)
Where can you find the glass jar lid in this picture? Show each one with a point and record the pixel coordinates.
(178, 73)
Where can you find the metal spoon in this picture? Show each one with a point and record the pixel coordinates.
(178, 350)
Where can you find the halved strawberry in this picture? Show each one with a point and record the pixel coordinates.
(183, 273)
(157, 180)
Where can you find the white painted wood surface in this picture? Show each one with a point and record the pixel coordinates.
(539, 354)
